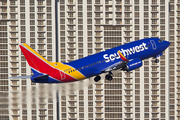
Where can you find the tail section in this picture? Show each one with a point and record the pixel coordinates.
(44, 71)
(35, 60)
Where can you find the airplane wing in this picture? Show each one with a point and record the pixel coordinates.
(117, 65)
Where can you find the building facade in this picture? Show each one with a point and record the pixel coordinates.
(86, 27)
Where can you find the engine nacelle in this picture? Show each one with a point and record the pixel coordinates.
(133, 64)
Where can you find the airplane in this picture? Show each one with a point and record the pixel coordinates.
(126, 57)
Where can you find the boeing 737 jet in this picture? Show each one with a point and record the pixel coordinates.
(126, 57)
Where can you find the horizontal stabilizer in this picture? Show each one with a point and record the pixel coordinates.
(28, 76)
(40, 78)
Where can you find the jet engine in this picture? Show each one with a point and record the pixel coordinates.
(133, 64)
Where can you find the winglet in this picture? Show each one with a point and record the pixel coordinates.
(122, 56)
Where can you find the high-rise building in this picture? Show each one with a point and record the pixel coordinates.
(85, 27)
(30, 22)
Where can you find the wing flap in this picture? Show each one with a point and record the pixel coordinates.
(115, 66)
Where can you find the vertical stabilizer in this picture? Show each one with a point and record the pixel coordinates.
(35, 60)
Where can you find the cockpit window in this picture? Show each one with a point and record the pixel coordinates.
(160, 40)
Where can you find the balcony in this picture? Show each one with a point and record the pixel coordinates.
(127, 117)
(154, 4)
(2, 3)
(41, 11)
(98, 9)
(128, 99)
(13, 54)
(71, 17)
(155, 111)
(40, 4)
(154, 105)
(14, 65)
(128, 105)
(71, 23)
(109, 16)
(71, 41)
(98, 99)
(15, 90)
(3, 17)
(128, 111)
(128, 88)
(14, 36)
(128, 93)
(72, 35)
(72, 54)
(3, 10)
(99, 2)
(72, 105)
(13, 3)
(128, 35)
(41, 18)
(15, 30)
(98, 34)
(155, 76)
(14, 72)
(14, 59)
(72, 111)
(98, 88)
(98, 105)
(13, 24)
(41, 31)
(71, 3)
(71, 10)
(99, 111)
(15, 84)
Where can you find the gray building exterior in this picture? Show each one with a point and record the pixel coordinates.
(86, 27)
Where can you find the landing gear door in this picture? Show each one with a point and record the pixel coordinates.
(153, 44)
(62, 74)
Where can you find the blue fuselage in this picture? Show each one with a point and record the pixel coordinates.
(143, 49)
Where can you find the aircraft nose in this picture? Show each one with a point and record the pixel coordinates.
(166, 44)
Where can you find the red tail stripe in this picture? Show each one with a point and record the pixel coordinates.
(38, 64)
